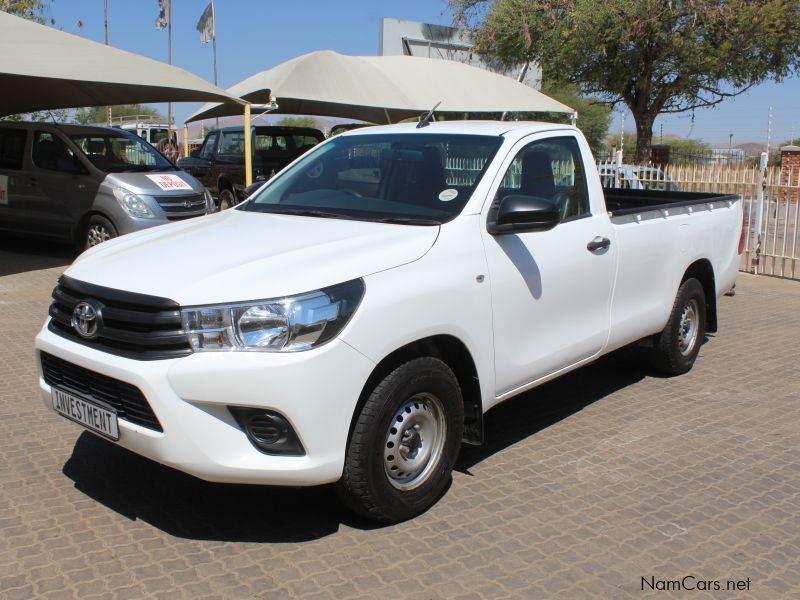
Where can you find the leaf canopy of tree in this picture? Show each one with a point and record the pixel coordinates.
(298, 122)
(97, 114)
(654, 56)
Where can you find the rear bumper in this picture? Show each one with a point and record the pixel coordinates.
(315, 391)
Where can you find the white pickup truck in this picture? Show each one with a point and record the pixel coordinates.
(352, 321)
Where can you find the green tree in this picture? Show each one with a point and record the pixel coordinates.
(298, 122)
(594, 117)
(33, 10)
(653, 56)
(97, 114)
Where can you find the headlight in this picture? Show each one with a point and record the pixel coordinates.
(133, 204)
(289, 324)
(210, 206)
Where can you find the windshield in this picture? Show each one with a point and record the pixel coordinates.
(417, 179)
(117, 152)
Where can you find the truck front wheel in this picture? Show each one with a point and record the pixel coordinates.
(677, 346)
(98, 230)
(405, 442)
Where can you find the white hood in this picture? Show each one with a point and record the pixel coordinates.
(237, 256)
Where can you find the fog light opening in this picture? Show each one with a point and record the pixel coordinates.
(268, 431)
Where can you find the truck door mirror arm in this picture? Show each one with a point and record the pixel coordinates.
(517, 213)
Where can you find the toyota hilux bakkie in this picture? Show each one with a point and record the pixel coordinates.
(376, 298)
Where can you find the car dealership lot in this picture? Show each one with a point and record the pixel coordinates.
(584, 487)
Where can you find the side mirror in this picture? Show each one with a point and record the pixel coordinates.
(517, 213)
(195, 153)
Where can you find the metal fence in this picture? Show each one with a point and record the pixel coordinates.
(770, 201)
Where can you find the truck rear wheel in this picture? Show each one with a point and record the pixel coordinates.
(405, 442)
(677, 346)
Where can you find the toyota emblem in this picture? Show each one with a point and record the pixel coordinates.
(86, 319)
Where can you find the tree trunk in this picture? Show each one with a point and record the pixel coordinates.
(644, 136)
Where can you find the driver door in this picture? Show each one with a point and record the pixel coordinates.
(550, 292)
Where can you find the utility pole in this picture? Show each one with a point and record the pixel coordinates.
(661, 139)
(169, 56)
(769, 130)
(105, 20)
(214, 46)
(622, 134)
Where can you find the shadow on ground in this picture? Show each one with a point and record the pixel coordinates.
(20, 255)
(187, 507)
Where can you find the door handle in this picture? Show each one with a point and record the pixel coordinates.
(598, 243)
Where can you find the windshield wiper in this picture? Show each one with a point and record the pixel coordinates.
(408, 221)
(308, 212)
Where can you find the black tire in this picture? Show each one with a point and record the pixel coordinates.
(227, 199)
(677, 346)
(98, 230)
(366, 487)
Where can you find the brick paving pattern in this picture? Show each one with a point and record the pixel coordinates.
(585, 486)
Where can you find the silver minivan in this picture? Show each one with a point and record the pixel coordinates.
(88, 184)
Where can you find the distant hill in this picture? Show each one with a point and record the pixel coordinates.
(751, 148)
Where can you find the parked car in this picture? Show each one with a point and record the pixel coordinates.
(149, 129)
(635, 177)
(89, 184)
(219, 163)
(369, 308)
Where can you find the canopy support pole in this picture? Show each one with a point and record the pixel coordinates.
(185, 139)
(386, 112)
(248, 155)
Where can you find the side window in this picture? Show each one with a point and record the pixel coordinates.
(551, 169)
(207, 151)
(12, 148)
(232, 143)
(51, 153)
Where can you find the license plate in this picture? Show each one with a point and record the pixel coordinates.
(92, 416)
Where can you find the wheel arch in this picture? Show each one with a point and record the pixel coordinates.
(704, 273)
(82, 224)
(455, 354)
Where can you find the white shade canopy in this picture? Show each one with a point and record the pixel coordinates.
(42, 68)
(379, 89)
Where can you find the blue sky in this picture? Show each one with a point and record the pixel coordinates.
(253, 35)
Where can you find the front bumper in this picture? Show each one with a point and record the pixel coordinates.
(316, 391)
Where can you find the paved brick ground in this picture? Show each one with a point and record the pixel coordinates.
(586, 485)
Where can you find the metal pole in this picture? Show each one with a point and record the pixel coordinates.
(169, 56)
(756, 246)
(214, 47)
(185, 139)
(248, 157)
(105, 19)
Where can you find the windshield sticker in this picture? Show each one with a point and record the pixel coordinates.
(448, 195)
(169, 182)
(4, 189)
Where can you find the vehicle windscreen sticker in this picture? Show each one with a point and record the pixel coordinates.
(4, 189)
(169, 182)
(448, 195)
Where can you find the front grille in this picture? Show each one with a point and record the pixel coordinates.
(127, 399)
(132, 325)
(178, 208)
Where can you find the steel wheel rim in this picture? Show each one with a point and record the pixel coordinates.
(688, 327)
(97, 234)
(414, 441)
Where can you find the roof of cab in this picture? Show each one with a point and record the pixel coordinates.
(497, 128)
